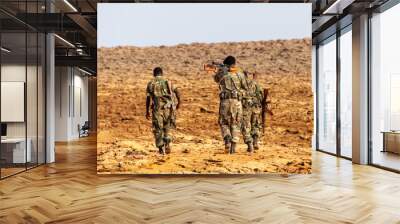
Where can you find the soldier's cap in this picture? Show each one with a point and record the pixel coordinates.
(157, 71)
(230, 60)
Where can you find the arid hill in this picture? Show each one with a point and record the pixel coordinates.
(125, 140)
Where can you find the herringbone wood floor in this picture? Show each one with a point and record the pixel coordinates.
(70, 191)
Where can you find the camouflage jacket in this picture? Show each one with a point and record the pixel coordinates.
(254, 94)
(232, 84)
(161, 93)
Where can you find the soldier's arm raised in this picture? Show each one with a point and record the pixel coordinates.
(221, 72)
(218, 76)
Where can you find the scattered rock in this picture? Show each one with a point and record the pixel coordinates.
(292, 131)
(205, 110)
(129, 152)
(126, 119)
(213, 160)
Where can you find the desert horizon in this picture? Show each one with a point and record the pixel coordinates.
(201, 43)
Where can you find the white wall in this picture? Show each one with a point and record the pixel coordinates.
(71, 102)
(12, 73)
(80, 110)
(62, 82)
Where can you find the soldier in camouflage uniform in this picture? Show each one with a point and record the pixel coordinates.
(164, 100)
(252, 119)
(232, 85)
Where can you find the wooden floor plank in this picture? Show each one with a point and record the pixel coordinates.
(70, 191)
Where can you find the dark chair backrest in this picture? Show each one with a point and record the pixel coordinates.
(86, 125)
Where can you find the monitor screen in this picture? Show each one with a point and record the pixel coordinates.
(3, 129)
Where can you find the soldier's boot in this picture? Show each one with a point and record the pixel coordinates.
(168, 148)
(161, 150)
(227, 141)
(250, 147)
(227, 146)
(233, 148)
(167, 143)
(256, 143)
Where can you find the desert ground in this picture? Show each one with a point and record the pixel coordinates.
(125, 139)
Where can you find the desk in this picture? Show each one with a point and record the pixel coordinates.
(391, 141)
(13, 150)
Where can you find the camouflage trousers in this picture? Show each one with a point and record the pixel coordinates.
(162, 122)
(230, 118)
(251, 123)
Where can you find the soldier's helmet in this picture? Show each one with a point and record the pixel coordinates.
(230, 60)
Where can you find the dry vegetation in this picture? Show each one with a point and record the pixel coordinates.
(125, 140)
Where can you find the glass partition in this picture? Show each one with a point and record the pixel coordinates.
(22, 77)
(385, 89)
(32, 101)
(346, 93)
(31, 97)
(327, 95)
(13, 95)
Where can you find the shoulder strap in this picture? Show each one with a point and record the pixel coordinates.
(169, 86)
(234, 84)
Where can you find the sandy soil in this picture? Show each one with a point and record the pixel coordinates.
(125, 140)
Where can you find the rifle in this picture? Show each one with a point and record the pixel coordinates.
(265, 110)
(212, 67)
(176, 101)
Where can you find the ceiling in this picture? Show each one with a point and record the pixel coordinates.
(75, 21)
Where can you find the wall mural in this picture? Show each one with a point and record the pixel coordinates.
(204, 89)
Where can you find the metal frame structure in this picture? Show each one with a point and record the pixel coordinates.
(340, 31)
(337, 35)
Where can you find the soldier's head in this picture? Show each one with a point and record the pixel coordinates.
(255, 75)
(250, 75)
(230, 61)
(157, 71)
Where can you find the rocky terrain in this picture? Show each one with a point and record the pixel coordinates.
(125, 139)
